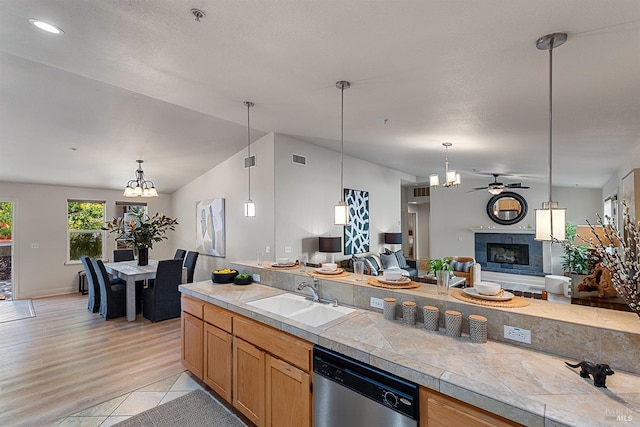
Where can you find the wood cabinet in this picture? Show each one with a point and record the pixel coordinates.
(248, 381)
(217, 360)
(283, 379)
(438, 410)
(263, 372)
(192, 335)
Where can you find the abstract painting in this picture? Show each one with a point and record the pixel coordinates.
(356, 233)
(210, 238)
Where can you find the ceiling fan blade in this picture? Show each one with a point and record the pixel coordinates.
(477, 189)
(516, 185)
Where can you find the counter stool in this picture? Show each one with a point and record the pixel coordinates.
(82, 282)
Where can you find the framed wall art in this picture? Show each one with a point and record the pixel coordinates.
(210, 235)
(356, 233)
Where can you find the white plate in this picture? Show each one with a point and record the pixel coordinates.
(504, 297)
(401, 281)
(336, 271)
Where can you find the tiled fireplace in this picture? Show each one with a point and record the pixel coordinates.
(515, 253)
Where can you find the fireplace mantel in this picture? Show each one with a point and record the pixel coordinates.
(491, 229)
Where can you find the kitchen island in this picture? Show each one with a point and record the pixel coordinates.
(529, 387)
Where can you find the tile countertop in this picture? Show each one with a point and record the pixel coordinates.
(530, 387)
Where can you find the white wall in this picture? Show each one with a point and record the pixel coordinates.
(229, 180)
(454, 211)
(40, 216)
(305, 196)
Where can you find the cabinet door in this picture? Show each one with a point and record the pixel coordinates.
(288, 395)
(217, 360)
(438, 410)
(248, 381)
(192, 343)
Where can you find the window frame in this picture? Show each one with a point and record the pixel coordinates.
(103, 233)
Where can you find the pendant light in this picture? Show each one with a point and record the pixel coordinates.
(451, 178)
(341, 210)
(249, 205)
(140, 187)
(550, 222)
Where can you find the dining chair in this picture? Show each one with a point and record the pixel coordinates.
(113, 298)
(180, 253)
(93, 287)
(161, 300)
(190, 265)
(120, 255)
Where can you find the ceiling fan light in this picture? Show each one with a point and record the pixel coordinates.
(495, 190)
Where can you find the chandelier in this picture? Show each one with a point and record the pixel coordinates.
(450, 177)
(140, 187)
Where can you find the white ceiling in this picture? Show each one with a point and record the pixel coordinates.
(143, 79)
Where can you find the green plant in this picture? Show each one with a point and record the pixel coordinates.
(440, 264)
(576, 257)
(6, 218)
(142, 230)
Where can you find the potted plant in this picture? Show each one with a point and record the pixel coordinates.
(142, 230)
(575, 260)
(441, 267)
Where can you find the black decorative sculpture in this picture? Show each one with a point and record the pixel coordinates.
(598, 371)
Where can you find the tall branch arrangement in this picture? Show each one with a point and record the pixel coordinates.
(142, 230)
(623, 263)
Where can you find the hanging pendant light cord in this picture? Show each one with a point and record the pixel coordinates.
(249, 105)
(342, 144)
(550, 120)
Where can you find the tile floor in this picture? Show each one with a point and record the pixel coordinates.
(122, 407)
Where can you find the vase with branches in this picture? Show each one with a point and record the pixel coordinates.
(141, 230)
(623, 262)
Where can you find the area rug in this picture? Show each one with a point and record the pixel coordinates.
(16, 310)
(195, 409)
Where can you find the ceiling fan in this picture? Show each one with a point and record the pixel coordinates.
(496, 187)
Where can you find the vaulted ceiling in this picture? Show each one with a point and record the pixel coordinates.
(144, 79)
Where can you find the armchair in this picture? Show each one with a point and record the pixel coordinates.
(466, 267)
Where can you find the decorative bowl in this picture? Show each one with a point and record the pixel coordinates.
(392, 274)
(223, 277)
(329, 266)
(242, 280)
(487, 288)
(282, 261)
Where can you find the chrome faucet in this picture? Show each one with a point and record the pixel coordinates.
(314, 293)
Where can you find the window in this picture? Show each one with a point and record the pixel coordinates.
(85, 236)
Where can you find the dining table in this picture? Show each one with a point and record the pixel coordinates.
(131, 272)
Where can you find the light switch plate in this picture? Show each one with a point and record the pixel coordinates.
(267, 250)
(287, 249)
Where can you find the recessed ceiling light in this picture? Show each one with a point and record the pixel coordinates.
(49, 28)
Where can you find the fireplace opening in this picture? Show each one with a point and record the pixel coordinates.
(508, 253)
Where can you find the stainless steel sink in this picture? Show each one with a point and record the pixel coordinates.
(300, 309)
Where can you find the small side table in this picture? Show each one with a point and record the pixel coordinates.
(82, 282)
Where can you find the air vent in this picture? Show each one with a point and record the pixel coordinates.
(298, 159)
(421, 192)
(250, 162)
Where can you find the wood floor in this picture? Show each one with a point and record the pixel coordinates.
(66, 359)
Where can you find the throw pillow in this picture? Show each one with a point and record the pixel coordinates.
(461, 266)
(389, 261)
(371, 263)
(402, 261)
(387, 251)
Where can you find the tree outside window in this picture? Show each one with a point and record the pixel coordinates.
(85, 235)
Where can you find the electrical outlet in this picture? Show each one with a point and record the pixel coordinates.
(376, 303)
(256, 277)
(267, 250)
(517, 334)
(35, 245)
(287, 249)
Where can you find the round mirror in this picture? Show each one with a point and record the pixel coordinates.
(507, 208)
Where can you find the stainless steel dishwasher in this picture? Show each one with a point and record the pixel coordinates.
(349, 393)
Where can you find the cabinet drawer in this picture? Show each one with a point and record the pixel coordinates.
(218, 317)
(192, 306)
(280, 344)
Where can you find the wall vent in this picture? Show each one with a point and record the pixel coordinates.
(421, 191)
(298, 159)
(250, 162)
